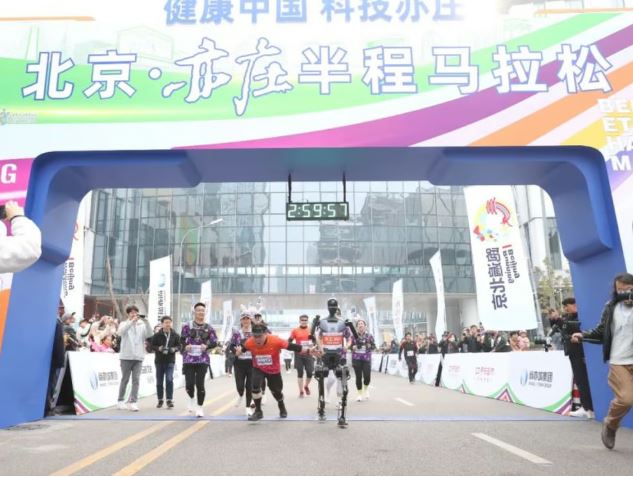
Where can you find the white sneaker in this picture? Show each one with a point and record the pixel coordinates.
(199, 411)
(191, 407)
(582, 412)
(121, 406)
(249, 411)
(359, 398)
(133, 407)
(238, 400)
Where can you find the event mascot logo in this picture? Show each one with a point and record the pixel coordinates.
(492, 221)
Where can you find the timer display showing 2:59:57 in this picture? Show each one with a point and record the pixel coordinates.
(317, 211)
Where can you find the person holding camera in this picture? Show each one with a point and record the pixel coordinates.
(165, 343)
(576, 354)
(615, 332)
(133, 332)
(361, 359)
(24, 246)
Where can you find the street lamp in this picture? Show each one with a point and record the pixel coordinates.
(182, 242)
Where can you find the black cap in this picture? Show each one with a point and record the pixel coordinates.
(332, 302)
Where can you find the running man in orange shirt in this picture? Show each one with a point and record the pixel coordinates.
(265, 349)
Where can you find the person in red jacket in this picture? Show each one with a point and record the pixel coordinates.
(265, 349)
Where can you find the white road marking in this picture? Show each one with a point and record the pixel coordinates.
(512, 449)
(406, 403)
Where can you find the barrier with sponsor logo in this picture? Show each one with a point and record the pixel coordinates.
(536, 379)
(96, 378)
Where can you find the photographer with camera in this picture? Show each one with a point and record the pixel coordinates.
(165, 343)
(615, 332)
(24, 246)
(361, 348)
(576, 353)
(555, 336)
(133, 332)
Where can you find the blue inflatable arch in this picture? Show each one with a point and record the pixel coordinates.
(575, 178)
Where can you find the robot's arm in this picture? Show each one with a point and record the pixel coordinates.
(352, 328)
(315, 324)
(295, 347)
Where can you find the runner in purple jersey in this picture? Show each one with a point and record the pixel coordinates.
(196, 339)
(361, 359)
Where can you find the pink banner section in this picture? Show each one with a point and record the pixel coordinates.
(14, 179)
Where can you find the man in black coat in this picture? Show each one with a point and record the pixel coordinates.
(165, 344)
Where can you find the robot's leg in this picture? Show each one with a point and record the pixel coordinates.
(343, 376)
(320, 373)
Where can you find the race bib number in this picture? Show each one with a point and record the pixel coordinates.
(264, 360)
(196, 350)
(306, 343)
(410, 353)
(246, 355)
(332, 341)
(360, 350)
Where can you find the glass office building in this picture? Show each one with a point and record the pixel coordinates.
(393, 230)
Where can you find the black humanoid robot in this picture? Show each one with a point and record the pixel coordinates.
(330, 333)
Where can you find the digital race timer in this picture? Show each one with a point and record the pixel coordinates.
(317, 211)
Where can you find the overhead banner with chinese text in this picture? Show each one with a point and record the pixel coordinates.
(173, 74)
(159, 289)
(505, 298)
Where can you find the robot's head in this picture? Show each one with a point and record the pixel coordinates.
(332, 306)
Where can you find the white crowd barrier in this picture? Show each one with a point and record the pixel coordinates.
(96, 378)
(538, 379)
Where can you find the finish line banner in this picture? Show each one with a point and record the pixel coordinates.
(538, 379)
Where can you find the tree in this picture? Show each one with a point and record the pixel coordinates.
(552, 286)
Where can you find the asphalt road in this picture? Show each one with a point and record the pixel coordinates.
(402, 430)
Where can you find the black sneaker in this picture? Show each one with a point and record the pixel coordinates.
(282, 410)
(256, 416)
(608, 436)
(160, 404)
(170, 403)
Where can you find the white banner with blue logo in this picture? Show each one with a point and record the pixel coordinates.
(159, 289)
(505, 298)
(96, 378)
(538, 379)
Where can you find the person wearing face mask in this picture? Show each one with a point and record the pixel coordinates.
(303, 360)
(615, 332)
